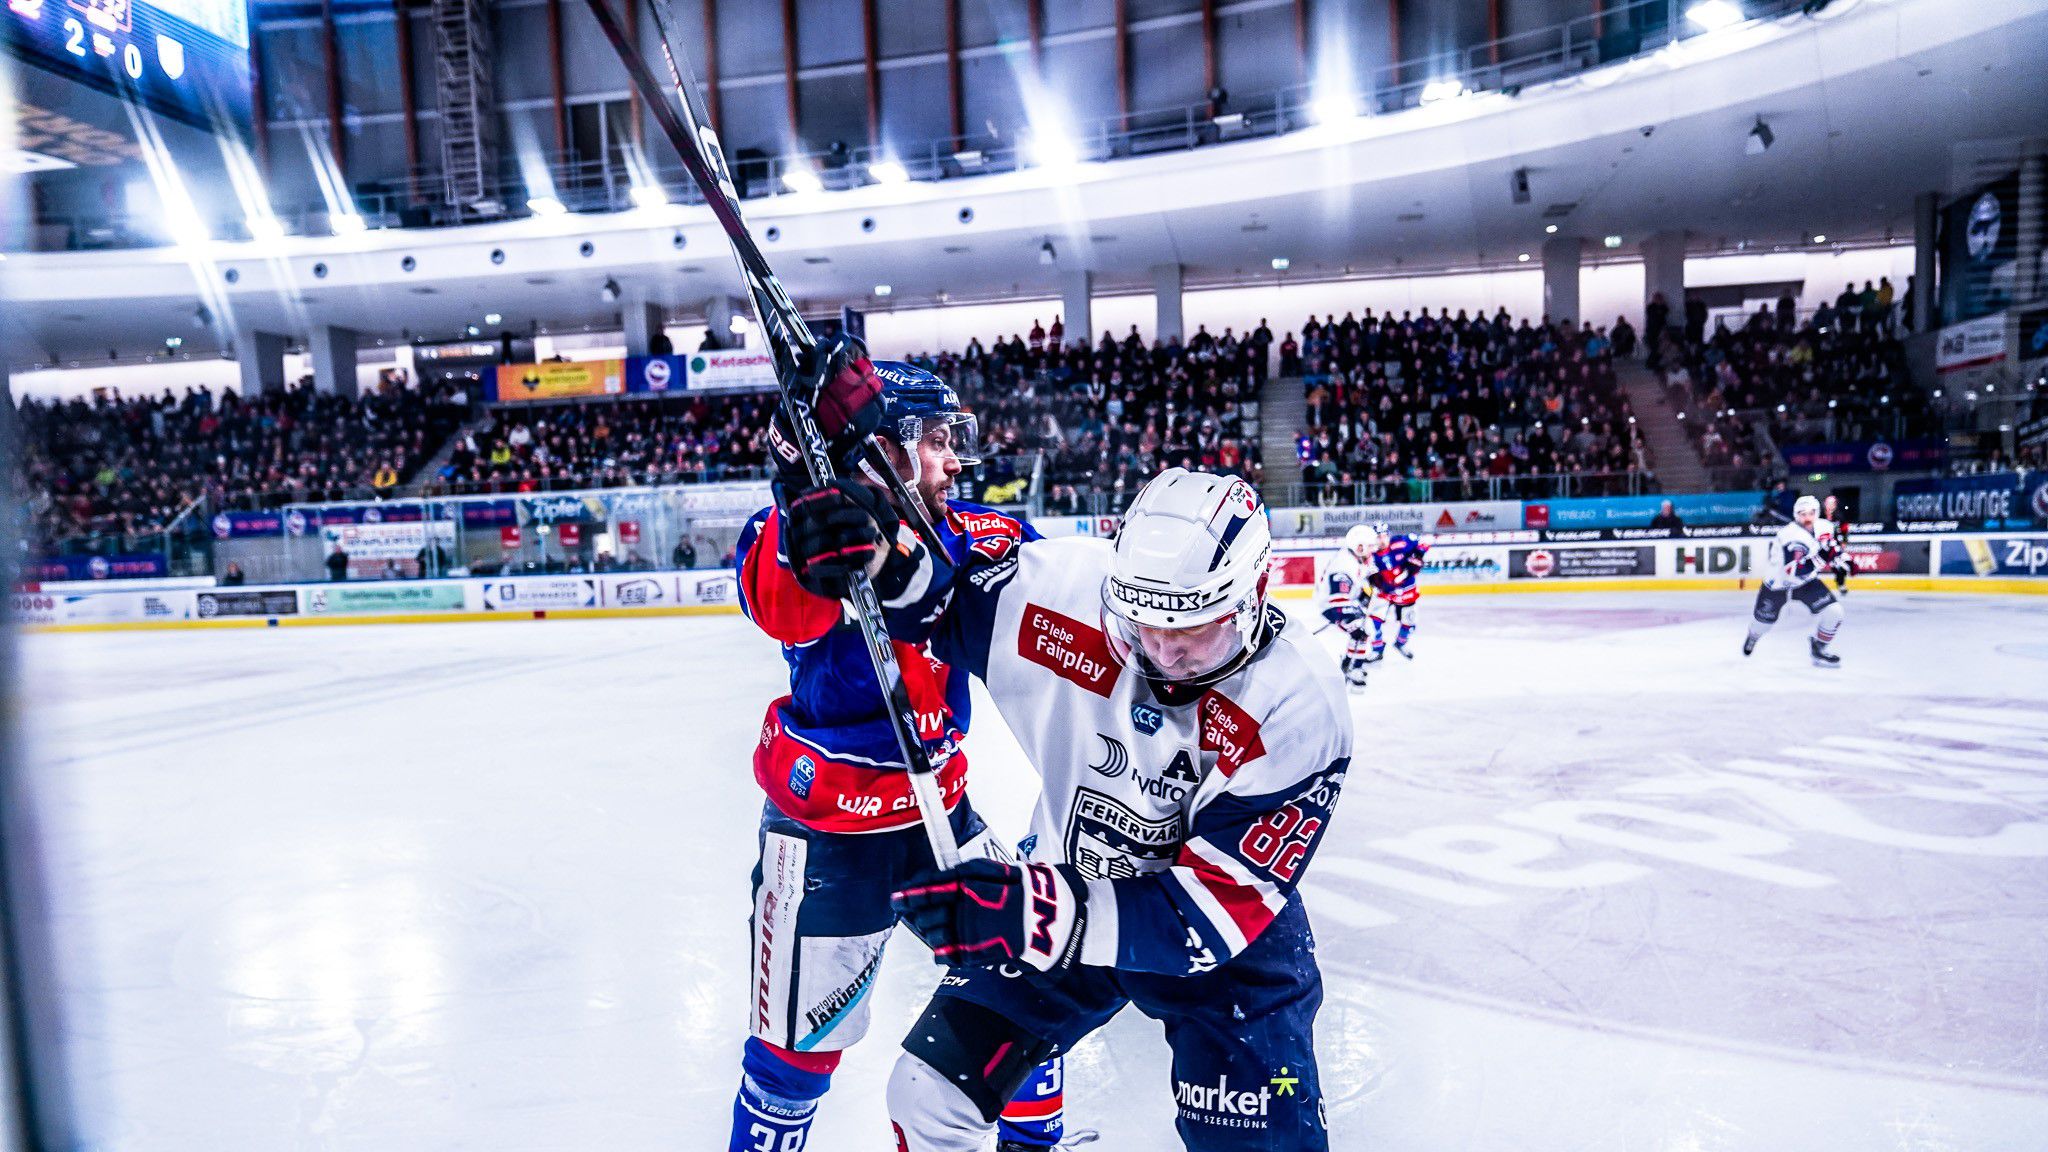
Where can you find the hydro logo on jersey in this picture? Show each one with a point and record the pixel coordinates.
(1147, 718)
(1115, 757)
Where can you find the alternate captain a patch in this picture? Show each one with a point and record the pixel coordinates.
(1108, 841)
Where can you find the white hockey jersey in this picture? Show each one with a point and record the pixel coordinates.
(1194, 821)
(1797, 555)
(1343, 589)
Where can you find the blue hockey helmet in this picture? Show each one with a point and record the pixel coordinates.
(917, 405)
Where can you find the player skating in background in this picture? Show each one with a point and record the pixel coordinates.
(839, 831)
(1395, 564)
(1793, 571)
(1837, 556)
(1342, 595)
(1192, 746)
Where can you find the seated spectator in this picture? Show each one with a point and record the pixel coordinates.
(1667, 518)
(106, 470)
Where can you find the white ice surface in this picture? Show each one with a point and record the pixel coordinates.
(1596, 882)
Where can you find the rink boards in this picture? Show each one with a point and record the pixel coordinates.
(1971, 562)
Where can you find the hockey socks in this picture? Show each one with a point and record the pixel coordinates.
(779, 1093)
(1035, 1116)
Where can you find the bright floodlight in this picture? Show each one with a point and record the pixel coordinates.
(648, 196)
(546, 206)
(798, 178)
(1049, 149)
(347, 224)
(1332, 108)
(883, 289)
(1714, 15)
(888, 172)
(1445, 89)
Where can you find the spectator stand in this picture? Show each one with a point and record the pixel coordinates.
(1466, 407)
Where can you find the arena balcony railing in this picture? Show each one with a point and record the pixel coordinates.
(1620, 31)
(1534, 486)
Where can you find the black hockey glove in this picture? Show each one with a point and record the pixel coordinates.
(986, 912)
(832, 532)
(839, 381)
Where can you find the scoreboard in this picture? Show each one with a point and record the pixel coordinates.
(187, 59)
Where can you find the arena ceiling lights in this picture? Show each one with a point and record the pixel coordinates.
(799, 178)
(888, 172)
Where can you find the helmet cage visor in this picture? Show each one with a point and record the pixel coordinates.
(956, 432)
(1192, 654)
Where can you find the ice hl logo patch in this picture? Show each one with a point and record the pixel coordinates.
(1147, 718)
(801, 775)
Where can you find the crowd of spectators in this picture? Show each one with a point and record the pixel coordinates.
(101, 471)
(1839, 376)
(1107, 418)
(670, 440)
(1462, 407)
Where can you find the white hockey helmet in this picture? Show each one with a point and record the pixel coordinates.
(1185, 600)
(1805, 506)
(1362, 541)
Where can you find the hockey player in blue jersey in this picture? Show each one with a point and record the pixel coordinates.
(1395, 563)
(839, 830)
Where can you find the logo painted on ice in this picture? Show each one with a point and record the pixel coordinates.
(1147, 718)
(801, 775)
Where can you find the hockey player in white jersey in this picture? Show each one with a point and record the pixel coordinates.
(1343, 595)
(1793, 570)
(1192, 745)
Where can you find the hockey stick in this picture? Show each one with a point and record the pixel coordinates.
(789, 339)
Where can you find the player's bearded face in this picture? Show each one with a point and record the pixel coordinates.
(938, 465)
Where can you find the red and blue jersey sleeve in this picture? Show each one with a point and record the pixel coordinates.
(769, 593)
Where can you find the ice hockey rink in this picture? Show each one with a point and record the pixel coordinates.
(1596, 882)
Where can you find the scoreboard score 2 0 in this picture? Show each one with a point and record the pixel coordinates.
(187, 59)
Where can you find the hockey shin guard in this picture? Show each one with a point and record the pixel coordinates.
(1828, 625)
(779, 1093)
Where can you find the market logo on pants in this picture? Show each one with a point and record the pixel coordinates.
(1222, 1105)
(1541, 563)
(1115, 757)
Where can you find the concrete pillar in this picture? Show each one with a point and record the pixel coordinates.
(260, 356)
(1664, 271)
(718, 314)
(1561, 256)
(643, 322)
(1166, 286)
(1077, 299)
(1926, 309)
(334, 360)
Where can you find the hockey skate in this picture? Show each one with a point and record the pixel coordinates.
(1378, 654)
(1748, 645)
(1354, 674)
(1401, 646)
(1822, 658)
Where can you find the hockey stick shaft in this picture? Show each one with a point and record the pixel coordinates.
(788, 339)
(689, 131)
